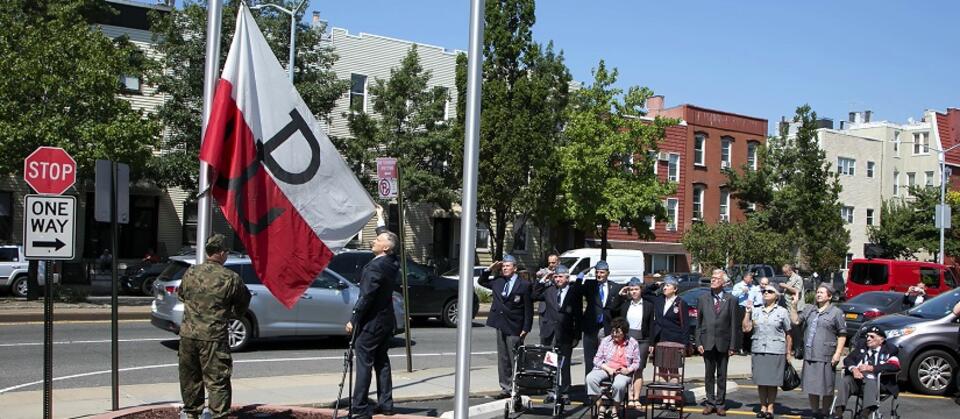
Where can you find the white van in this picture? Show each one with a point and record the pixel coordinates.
(624, 263)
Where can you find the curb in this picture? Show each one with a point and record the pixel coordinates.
(137, 411)
(92, 315)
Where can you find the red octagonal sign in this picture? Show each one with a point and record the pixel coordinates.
(50, 170)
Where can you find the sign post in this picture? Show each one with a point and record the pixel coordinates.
(49, 234)
(388, 185)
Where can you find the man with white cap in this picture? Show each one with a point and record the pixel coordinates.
(511, 314)
(603, 302)
(562, 315)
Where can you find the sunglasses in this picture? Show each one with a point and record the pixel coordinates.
(769, 292)
(872, 336)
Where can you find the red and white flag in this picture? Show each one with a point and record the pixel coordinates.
(279, 181)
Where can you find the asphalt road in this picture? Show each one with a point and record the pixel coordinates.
(149, 355)
(741, 403)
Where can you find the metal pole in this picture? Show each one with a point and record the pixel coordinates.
(114, 291)
(47, 341)
(943, 187)
(468, 215)
(403, 268)
(210, 76)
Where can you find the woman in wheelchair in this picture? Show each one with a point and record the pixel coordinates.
(616, 360)
(869, 368)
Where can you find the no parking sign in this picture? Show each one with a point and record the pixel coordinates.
(387, 177)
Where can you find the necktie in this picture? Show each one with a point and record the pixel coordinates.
(507, 287)
(716, 304)
(602, 303)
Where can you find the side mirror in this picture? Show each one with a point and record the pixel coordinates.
(341, 285)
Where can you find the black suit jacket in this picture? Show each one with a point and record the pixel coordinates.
(718, 331)
(672, 326)
(594, 307)
(511, 314)
(560, 321)
(374, 309)
(648, 316)
(886, 362)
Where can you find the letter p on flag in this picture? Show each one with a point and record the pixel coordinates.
(279, 181)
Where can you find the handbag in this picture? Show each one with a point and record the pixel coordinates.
(798, 352)
(791, 379)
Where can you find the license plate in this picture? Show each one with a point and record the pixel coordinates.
(852, 316)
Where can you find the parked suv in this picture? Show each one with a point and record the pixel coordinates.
(13, 271)
(323, 309)
(927, 336)
(431, 295)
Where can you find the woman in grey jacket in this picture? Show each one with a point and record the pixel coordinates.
(771, 347)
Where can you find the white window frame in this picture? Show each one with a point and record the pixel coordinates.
(921, 143)
(846, 166)
(526, 241)
(651, 222)
(351, 94)
(725, 205)
(930, 176)
(672, 215)
(847, 214)
(870, 214)
(671, 176)
(847, 260)
(896, 183)
(482, 226)
(699, 149)
(752, 154)
(870, 168)
(911, 179)
(726, 144)
(699, 196)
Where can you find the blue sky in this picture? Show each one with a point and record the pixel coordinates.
(760, 58)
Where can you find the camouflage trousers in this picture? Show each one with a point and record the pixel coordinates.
(205, 364)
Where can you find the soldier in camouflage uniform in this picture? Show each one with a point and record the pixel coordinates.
(211, 296)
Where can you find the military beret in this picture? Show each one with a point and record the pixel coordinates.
(635, 282)
(216, 243)
(602, 266)
(875, 330)
(508, 258)
(562, 270)
(671, 280)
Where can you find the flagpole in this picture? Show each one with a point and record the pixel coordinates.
(468, 204)
(210, 76)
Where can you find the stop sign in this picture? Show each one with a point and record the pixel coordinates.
(50, 170)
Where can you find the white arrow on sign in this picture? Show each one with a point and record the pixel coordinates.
(49, 231)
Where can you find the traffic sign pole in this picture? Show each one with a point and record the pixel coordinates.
(114, 315)
(403, 266)
(48, 342)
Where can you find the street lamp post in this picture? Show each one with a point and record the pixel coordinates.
(293, 29)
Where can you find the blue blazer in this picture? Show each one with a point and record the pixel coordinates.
(674, 326)
(511, 314)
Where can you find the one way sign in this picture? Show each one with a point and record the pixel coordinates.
(48, 226)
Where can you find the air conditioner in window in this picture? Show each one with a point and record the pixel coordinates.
(724, 164)
(663, 156)
(724, 217)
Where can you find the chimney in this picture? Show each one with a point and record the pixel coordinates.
(315, 21)
(784, 125)
(852, 117)
(654, 105)
(866, 115)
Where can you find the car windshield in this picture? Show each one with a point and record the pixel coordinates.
(173, 271)
(936, 307)
(875, 299)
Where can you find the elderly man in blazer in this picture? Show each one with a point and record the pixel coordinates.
(563, 312)
(511, 314)
(603, 301)
(862, 370)
(717, 337)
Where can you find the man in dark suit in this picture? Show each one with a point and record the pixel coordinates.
(563, 311)
(862, 369)
(511, 314)
(602, 303)
(553, 260)
(374, 321)
(717, 337)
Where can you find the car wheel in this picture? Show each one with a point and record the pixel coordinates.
(19, 286)
(146, 287)
(449, 313)
(933, 372)
(239, 334)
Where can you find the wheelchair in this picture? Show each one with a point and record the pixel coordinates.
(533, 376)
(883, 396)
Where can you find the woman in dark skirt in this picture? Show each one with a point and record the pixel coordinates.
(824, 336)
(671, 321)
(771, 347)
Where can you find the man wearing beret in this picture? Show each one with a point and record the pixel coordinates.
(511, 314)
(212, 296)
(862, 369)
(562, 315)
(603, 302)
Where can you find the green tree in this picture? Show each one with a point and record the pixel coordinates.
(724, 243)
(63, 87)
(408, 124)
(180, 38)
(798, 195)
(525, 89)
(606, 158)
(907, 225)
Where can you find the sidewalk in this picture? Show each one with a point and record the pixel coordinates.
(13, 310)
(318, 390)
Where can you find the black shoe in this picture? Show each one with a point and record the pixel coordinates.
(761, 414)
(565, 399)
(549, 399)
(387, 412)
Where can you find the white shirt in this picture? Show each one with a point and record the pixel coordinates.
(563, 293)
(668, 303)
(635, 314)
